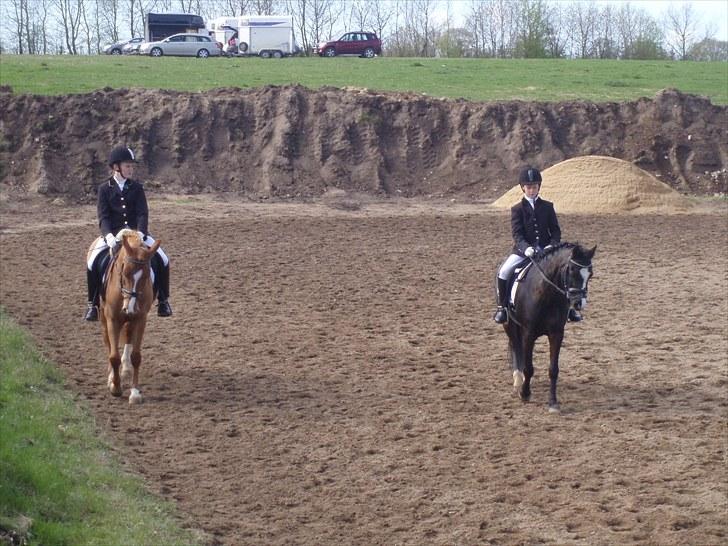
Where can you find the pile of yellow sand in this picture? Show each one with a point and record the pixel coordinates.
(596, 184)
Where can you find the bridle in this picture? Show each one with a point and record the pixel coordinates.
(571, 293)
(130, 260)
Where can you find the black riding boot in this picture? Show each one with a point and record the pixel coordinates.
(501, 314)
(573, 315)
(163, 307)
(92, 310)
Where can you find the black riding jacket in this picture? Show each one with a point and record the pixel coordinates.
(536, 227)
(117, 210)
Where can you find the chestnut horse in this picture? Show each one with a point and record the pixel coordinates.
(557, 280)
(126, 300)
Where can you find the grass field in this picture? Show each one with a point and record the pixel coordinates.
(472, 79)
(60, 484)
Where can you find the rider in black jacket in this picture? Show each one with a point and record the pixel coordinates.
(534, 227)
(123, 204)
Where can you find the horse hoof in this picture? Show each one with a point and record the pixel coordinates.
(518, 379)
(524, 397)
(115, 392)
(555, 409)
(135, 397)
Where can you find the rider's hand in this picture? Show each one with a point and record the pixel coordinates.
(530, 251)
(111, 241)
(141, 236)
(548, 247)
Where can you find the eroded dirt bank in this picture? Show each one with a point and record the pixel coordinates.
(295, 142)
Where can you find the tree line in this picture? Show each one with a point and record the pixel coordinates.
(408, 28)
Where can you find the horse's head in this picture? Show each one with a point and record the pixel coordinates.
(134, 272)
(577, 272)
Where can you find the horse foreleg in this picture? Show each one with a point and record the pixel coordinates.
(136, 361)
(555, 340)
(126, 355)
(527, 348)
(114, 379)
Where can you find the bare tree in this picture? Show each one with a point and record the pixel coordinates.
(71, 12)
(110, 15)
(314, 19)
(381, 17)
(582, 20)
(17, 23)
(360, 12)
(681, 25)
(605, 42)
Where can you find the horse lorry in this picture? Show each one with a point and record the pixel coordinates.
(256, 35)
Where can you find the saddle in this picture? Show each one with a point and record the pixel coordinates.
(519, 273)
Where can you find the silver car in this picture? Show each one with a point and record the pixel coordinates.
(119, 47)
(186, 45)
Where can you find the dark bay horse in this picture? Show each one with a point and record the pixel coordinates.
(126, 300)
(556, 280)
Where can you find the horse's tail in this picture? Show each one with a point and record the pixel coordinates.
(515, 347)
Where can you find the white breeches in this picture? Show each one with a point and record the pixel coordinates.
(101, 246)
(508, 266)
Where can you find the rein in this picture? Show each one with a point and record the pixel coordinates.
(566, 290)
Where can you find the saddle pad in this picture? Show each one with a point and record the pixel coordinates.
(520, 274)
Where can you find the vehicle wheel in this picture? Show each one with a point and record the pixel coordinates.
(330, 52)
(243, 47)
(277, 54)
(369, 53)
(116, 51)
(264, 54)
(156, 52)
(203, 54)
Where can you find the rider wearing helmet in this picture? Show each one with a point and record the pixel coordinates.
(535, 228)
(123, 204)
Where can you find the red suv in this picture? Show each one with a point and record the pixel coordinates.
(363, 44)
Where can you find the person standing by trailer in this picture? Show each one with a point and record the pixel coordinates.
(122, 204)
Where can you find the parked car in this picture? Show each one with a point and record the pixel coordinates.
(363, 44)
(132, 48)
(185, 44)
(118, 47)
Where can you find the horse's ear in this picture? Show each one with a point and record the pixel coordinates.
(154, 247)
(125, 243)
(591, 251)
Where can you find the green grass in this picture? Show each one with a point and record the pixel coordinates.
(59, 483)
(472, 79)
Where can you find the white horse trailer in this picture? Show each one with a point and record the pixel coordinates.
(262, 35)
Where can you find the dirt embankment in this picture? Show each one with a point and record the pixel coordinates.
(290, 141)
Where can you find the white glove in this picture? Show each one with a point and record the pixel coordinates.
(548, 247)
(111, 241)
(530, 251)
(141, 236)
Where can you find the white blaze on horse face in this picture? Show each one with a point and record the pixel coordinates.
(585, 279)
(132, 301)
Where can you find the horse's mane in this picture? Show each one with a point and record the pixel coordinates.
(550, 255)
(131, 235)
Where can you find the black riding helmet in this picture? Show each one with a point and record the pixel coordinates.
(529, 175)
(119, 154)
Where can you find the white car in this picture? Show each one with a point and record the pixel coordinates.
(120, 47)
(185, 45)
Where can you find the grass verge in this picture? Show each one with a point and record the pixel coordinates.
(471, 79)
(59, 482)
